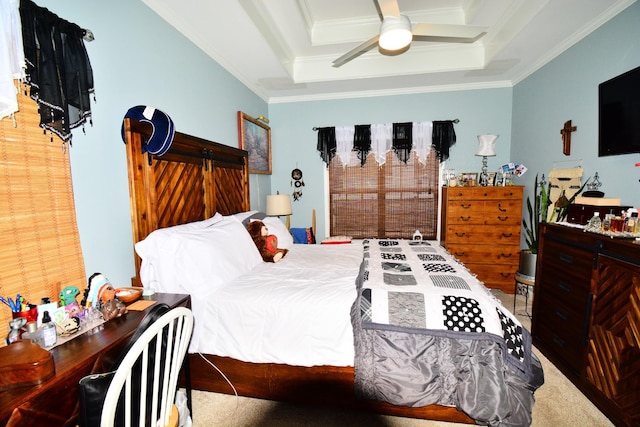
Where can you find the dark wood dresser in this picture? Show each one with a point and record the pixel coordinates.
(55, 402)
(481, 227)
(586, 316)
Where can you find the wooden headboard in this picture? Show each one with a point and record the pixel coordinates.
(192, 181)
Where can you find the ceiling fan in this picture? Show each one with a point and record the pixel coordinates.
(397, 32)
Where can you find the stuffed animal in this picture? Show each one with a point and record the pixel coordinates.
(267, 243)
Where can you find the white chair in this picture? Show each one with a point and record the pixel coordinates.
(144, 385)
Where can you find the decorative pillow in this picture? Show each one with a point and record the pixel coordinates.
(303, 235)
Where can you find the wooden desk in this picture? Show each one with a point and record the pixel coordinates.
(55, 402)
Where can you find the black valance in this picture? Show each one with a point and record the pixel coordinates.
(327, 143)
(362, 142)
(443, 137)
(58, 69)
(403, 140)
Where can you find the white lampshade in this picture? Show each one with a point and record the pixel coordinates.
(395, 33)
(487, 145)
(278, 204)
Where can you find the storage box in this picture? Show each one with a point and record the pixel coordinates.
(581, 214)
(24, 363)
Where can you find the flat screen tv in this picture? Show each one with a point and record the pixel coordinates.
(619, 114)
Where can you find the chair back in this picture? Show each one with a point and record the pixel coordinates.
(143, 388)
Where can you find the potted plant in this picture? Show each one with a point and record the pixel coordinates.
(538, 213)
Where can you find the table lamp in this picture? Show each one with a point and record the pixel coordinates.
(486, 148)
(278, 205)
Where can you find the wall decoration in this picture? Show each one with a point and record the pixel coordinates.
(297, 182)
(255, 137)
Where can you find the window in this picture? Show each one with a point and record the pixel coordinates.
(392, 200)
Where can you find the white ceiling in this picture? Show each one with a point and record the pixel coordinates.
(283, 49)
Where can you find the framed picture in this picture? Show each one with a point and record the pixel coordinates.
(255, 137)
(470, 179)
(491, 178)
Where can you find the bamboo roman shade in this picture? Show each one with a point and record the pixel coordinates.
(391, 200)
(40, 250)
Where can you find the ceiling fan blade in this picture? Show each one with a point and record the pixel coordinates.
(448, 31)
(389, 8)
(357, 51)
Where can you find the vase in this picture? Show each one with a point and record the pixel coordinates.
(528, 262)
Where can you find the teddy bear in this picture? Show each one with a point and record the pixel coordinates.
(266, 243)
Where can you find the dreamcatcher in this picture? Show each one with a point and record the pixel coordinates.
(297, 182)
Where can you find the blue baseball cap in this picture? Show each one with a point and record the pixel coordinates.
(163, 128)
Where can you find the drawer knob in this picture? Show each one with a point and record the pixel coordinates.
(566, 258)
(558, 341)
(500, 208)
(467, 206)
(503, 255)
(562, 314)
(503, 218)
(507, 235)
(460, 234)
(465, 218)
(564, 286)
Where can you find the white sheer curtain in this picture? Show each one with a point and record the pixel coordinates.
(381, 141)
(344, 143)
(422, 140)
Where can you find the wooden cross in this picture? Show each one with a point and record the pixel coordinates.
(566, 137)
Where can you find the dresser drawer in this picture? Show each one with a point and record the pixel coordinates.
(482, 235)
(495, 275)
(562, 330)
(503, 212)
(484, 193)
(485, 254)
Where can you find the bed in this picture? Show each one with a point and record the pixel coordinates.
(200, 187)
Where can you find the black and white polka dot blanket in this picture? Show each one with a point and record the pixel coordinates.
(419, 285)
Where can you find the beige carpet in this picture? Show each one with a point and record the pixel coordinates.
(558, 404)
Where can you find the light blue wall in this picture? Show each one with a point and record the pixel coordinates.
(294, 141)
(567, 89)
(137, 58)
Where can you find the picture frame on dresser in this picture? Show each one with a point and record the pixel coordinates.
(255, 137)
(491, 178)
(470, 179)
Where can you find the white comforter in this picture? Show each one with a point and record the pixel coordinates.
(296, 311)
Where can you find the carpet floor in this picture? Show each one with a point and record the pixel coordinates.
(558, 403)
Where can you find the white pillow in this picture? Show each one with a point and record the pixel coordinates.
(149, 246)
(199, 260)
(275, 226)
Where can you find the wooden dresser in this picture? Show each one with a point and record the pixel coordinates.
(481, 227)
(586, 316)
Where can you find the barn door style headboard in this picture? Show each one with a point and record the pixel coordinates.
(192, 181)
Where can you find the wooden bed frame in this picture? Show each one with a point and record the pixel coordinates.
(193, 180)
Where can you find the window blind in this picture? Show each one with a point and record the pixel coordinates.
(40, 250)
(388, 201)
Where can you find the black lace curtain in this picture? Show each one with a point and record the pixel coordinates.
(443, 137)
(58, 69)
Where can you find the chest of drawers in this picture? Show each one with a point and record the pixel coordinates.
(586, 316)
(481, 227)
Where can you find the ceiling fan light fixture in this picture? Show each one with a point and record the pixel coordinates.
(395, 33)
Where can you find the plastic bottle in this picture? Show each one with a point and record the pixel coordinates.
(595, 223)
(49, 335)
(15, 334)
